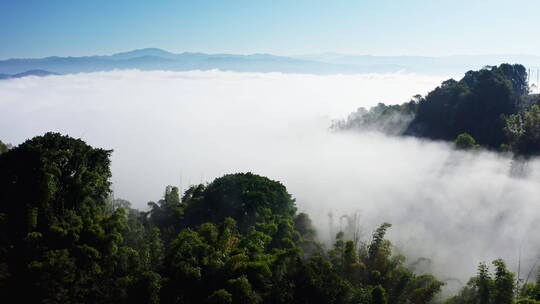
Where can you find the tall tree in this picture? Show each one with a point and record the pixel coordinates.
(52, 191)
(504, 284)
(484, 284)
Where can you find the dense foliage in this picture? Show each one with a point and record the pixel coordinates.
(500, 287)
(473, 105)
(238, 239)
(491, 105)
(523, 131)
(465, 141)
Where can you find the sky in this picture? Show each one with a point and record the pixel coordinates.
(37, 28)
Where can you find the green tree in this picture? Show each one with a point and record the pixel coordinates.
(242, 291)
(378, 295)
(306, 235)
(68, 242)
(245, 197)
(167, 214)
(316, 281)
(53, 190)
(504, 284)
(523, 131)
(465, 141)
(484, 284)
(474, 104)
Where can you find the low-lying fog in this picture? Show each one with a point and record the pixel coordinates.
(182, 128)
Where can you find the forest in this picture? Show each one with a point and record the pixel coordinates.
(64, 238)
(489, 108)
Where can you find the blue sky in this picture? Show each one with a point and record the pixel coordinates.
(384, 27)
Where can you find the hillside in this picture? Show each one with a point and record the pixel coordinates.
(492, 107)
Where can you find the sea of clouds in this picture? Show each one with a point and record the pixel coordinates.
(182, 128)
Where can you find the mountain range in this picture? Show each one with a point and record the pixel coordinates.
(327, 63)
(39, 73)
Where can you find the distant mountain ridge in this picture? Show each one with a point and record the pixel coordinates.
(40, 73)
(453, 61)
(158, 59)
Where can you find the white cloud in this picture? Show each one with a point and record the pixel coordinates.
(166, 127)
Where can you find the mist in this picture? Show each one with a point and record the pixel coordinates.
(181, 128)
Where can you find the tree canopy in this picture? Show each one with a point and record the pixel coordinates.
(491, 106)
(473, 105)
(239, 239)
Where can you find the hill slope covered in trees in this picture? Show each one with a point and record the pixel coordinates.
(490, 107)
